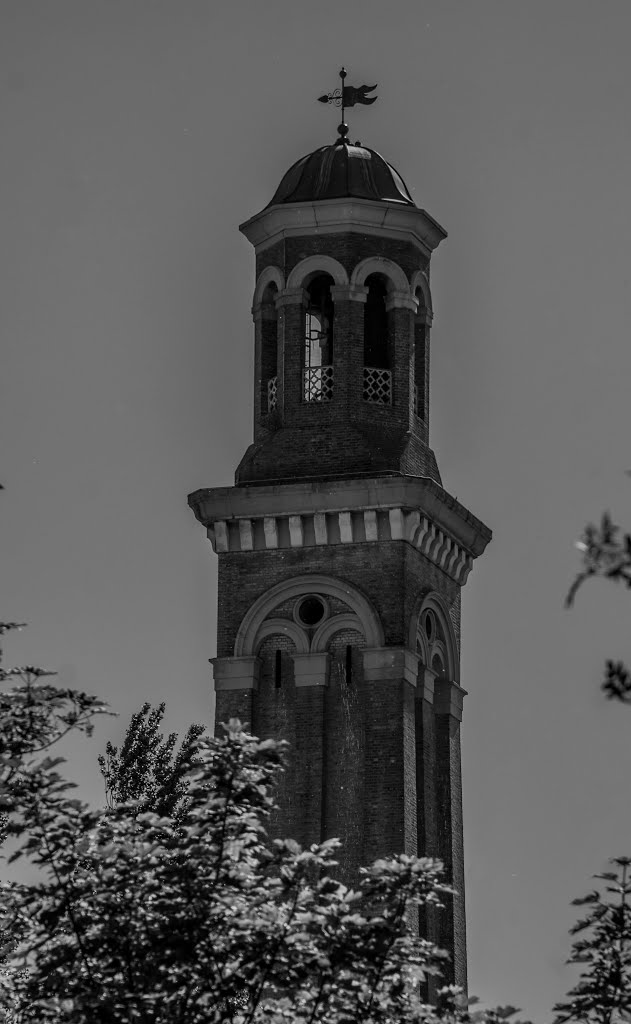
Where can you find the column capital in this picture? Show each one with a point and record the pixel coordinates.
(292, 297)
(236, 673)
(382, 663)
(349, 293)
(425, 316)
(263, 311)
(448, 698)
(401, 300)
(311, 669)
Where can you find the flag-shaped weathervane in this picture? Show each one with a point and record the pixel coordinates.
(348, 96)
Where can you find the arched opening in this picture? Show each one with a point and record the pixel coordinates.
(435, 638)
(318, 340)
(269, 349)
(438, 666)
(377, 372)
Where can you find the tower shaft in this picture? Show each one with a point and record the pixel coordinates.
(341, 556)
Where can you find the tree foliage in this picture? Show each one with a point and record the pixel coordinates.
(171, 905)
(606, 552)
(148, 767)
(603, 992)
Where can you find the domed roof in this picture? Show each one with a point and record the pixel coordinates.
(339, 171)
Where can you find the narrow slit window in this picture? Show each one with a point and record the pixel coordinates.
(348, 674)
(278, 668)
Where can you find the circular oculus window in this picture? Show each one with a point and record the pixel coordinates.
(310, 611)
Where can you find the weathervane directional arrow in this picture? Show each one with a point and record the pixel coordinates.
(347, 96)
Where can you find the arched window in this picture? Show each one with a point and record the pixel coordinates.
(269, 349)
(435, 640)
(318, 341)
(377, 375)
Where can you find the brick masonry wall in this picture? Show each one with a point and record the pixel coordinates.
(451, 923)
(375, 569)
(345, 752)
(425, 794)
(233, 704)
(274, 717)
(369, 762)
(392, 575)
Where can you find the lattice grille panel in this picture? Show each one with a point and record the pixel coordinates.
(272, 394)
(318, 384)
(377, 385)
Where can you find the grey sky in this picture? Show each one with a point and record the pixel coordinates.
(135, 137)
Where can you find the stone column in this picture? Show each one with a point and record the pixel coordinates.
(401, 307)
(425, 763)
(420, 392)
(265, 319)
(348, 344)
(451, 923)
(426, 799)
(291, 304)
(390, 824)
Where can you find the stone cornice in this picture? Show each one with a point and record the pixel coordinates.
(410, 509)
(336, 216)
(412, 492)
(236, 673)
(349, 293)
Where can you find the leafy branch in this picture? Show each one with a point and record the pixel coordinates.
(606, 552)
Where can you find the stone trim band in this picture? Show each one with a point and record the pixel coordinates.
(348, 527)
(379, 665)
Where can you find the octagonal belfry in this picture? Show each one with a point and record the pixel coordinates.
(341, 556)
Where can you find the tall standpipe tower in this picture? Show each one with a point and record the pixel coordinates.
(341, 555)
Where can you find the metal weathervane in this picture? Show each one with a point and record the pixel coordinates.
(347, 96)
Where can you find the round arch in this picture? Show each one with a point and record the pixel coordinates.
(435, 602)
(249, 630)
(271, 275)
(320, 264)
(332, 626)
(397, 281)
(420, 283)
(283, 627)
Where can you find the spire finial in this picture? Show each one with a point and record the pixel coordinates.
(347, 96)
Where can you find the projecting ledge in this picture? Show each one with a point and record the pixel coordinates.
(236, 673)
(381, 663)
(448, 698)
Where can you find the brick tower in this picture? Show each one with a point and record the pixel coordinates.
(341, 556)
